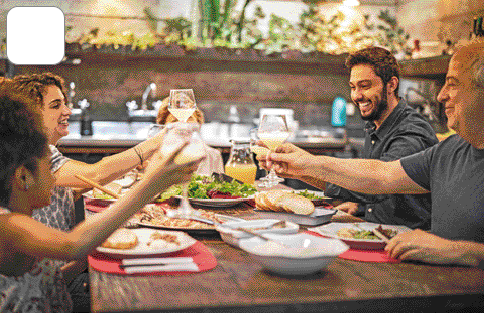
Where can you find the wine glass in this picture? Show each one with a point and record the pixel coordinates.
(182, 104)
(178, 133)
(273, 131)
(258, 150)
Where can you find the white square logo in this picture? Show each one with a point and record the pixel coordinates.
(35, 35)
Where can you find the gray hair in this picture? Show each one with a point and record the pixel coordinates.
(476, 66)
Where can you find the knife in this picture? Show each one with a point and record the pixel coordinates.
(192, 267)
(154, 261)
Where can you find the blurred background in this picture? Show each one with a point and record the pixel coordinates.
(240, 57)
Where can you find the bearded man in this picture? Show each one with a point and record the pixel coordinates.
(393, 130)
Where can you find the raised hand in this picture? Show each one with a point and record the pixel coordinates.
(289, 161)
(163, 168)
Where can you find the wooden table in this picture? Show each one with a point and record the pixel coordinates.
(239, 284)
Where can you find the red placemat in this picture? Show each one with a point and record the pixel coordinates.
(199, 252)
(378, 256)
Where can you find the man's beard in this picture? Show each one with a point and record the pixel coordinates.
(381, 106)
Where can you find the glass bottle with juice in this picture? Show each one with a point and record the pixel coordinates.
(241, 165)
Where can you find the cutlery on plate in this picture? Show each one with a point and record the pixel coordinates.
(210, 222)
(375, 232)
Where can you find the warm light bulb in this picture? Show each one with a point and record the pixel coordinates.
(351, 3)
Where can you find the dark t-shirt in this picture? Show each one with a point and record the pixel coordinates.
(404, 132)
(453, 171)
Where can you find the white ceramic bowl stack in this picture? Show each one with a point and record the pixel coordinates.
(307, 254)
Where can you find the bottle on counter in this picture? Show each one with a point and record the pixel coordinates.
(338, 112)
(86, 122)
(241, 165)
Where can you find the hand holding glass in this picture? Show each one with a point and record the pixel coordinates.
(273, 131)
(177, 134)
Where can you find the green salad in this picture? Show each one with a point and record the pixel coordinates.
(205, 187)
(310, 195)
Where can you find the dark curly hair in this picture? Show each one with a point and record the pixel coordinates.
(381, 60)
(22, 140)
(34, 85)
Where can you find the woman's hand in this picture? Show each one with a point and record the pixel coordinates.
(164, 171)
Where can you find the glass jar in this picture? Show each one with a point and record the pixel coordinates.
(241, 165)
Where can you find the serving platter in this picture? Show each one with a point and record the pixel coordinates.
(143, 249)
(216, 203)
(198, 228)
(331, 230)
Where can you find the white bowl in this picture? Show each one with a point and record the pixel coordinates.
(307, 254)
(232, 236)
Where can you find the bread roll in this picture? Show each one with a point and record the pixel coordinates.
(122, 238)
(297, 204)
(274, 197)
(284, 201)
(261, 203)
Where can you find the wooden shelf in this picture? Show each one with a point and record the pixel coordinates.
(237, 60)
(435, 67)
(246, 60)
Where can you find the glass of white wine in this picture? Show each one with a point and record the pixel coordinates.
(259, 151)
(182, 104)
(176, 134)
(273, 131)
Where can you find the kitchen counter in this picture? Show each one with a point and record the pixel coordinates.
(113, 137)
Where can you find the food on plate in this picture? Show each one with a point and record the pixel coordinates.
(284, 201)
(155, 215)
(122, 238)
(163, 240)
(352, 233)
(207, 187)
(310, 195)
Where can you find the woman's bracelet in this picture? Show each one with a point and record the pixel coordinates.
(140, 155)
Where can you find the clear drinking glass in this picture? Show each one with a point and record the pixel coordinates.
(258, 150)
(182, 104)
(273, 131)
(178, 133)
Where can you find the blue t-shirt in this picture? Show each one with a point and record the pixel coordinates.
(453, 171)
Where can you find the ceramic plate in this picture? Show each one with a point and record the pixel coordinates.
(219, 203)
(143, 249)
(331, 230)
